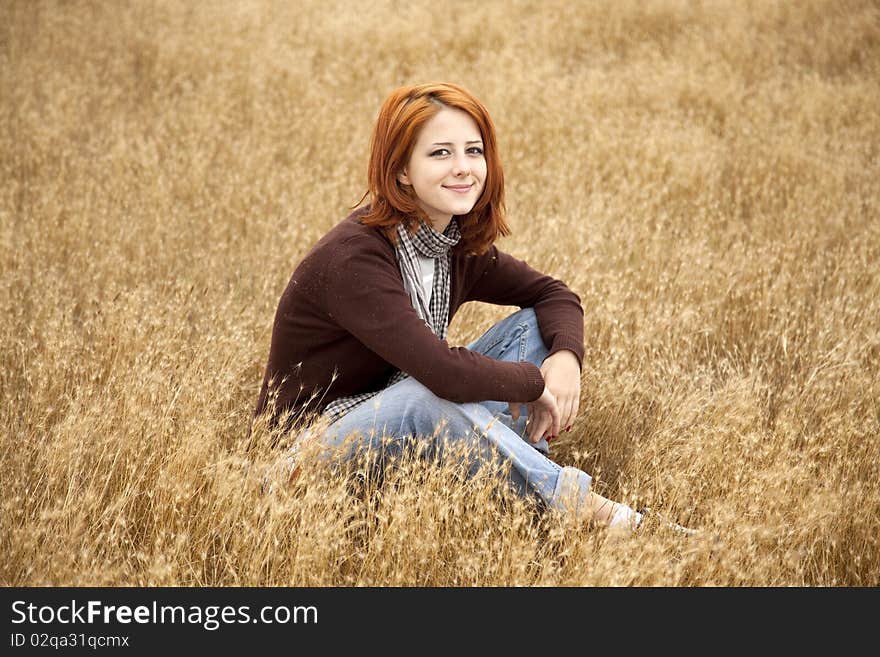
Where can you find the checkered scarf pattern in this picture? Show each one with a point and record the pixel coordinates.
(429, 243)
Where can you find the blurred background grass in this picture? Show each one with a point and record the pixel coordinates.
(703, 174)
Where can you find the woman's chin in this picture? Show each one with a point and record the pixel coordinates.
(462, 209)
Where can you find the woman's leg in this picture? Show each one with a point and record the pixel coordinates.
(517, 338)
(408, 415)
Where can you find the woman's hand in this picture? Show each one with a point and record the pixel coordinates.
(562, 376)
(543, 415)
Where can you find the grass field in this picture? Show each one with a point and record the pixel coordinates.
(705, 175)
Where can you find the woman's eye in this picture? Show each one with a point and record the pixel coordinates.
(476, 150)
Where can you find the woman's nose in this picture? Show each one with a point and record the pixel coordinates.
(461, 166)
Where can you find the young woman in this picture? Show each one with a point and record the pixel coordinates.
(359, 334)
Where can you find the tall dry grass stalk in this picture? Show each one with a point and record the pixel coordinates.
(704, 175)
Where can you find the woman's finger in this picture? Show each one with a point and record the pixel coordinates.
(554, 421)
(539, 427)
(532, 426)
(564, 413)
(574, 410)
(569, 409)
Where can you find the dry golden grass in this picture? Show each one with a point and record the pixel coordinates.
(704, 175)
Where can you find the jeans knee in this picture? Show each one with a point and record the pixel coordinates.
(526, 316)
(427, 414)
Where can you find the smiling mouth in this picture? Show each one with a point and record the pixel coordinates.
(461, 190)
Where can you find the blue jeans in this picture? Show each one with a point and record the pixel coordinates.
(407, 414)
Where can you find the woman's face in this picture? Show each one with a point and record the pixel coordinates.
(447, 168)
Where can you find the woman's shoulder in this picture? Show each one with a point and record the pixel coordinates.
(348, 238)
(351, 230)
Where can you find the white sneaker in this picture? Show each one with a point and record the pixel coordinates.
(674, 527)
(681, 529)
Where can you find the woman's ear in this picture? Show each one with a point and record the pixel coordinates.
(402, 178)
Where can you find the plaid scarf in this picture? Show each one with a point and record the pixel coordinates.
(429, 243)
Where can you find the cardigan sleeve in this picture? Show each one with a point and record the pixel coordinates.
(366, 297)
(508, 281)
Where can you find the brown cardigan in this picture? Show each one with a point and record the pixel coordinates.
(345, 310)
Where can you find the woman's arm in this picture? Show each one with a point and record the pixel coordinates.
(510, 281)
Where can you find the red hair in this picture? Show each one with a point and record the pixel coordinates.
(403, 114)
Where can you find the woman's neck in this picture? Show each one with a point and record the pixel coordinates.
(440, 225)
